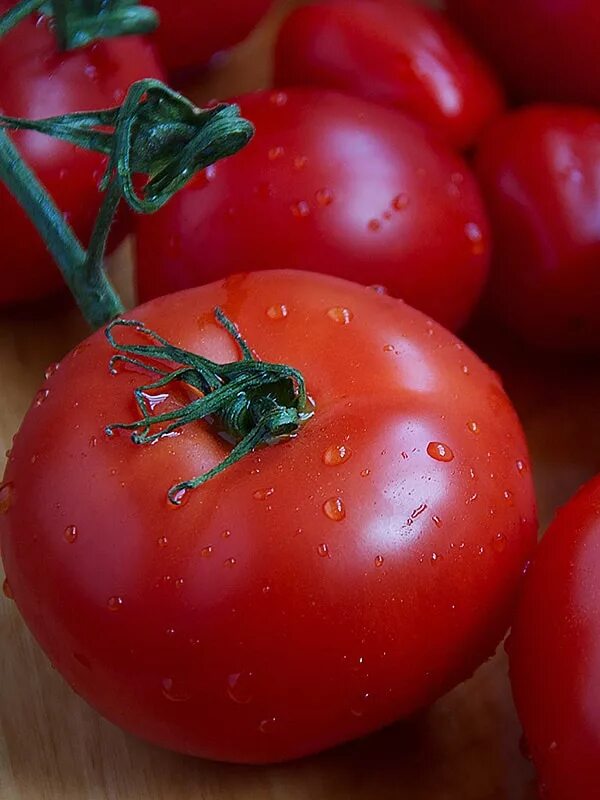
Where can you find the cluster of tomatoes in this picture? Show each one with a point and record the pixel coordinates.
(317, 589)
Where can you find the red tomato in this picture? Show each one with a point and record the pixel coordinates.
(332, 184)
(395, 53)
(314, 591)
(555, 652)
(192, 31)
(539, 169)
(544, 49)
(39, 81)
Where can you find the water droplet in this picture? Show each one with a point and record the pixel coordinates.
(499, 542)
(435, 558)
(336, 454)
(374, 225)
(278, 311)
(115, 603)
(400, 202)
(480, 550)
(323, 551)
(278, 98)
(521, 467)
(360, 706)
(6, 496)
(275, 153)
(419, 510)
(174, 690)
(71, 534)
(162, 541)
(300, 209)
(206, 551)
(40, 397)
(230, 562)
(341, 315)
(365, 473)
(6, 590)
(262, 494)
(179, 583)
(474, 235)
(90, 72)
(240, 687)
(334, 509)
(51, 370)
(267, 725)
(388, 348)
(225, 534)
(324, 197)
(439, 451)
(378, 561)
(300, 162)
(473, 427)
(465, 369)
(436, 521)
(180, 498)
(210, 173)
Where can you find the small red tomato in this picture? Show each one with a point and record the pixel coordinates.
(539, 169)
(544, 49)
(555, 652)
(394, 53)
(191, 31)
(40, 81)
(334, 184)
(314, 591)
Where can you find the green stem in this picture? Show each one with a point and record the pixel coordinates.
(79, 22)
(95, 296)
(18, 13)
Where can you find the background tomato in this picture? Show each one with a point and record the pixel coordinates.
(539, 169)
(316, 590)
(191, 32)
(555, 651)
(329, 183)
(395, 53)
(38, 81)
(544, 49)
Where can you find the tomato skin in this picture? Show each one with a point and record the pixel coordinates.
(554, 652)
(539, 169)
(394, 53)
(39, 81)
(333, 184)
(248, 625)
(191, 32)
(543, 49)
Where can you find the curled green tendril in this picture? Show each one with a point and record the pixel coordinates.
(254, 401)
(156, 132)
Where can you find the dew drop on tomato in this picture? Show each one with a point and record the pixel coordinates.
(336, 454)
(440, 451)
(6, 497)
(115, 603)
(341, 315)
(334, 509)
(240, 687)
(71, 534)
(378, 561)
(323, 551)
(278, 311)
(40, 397)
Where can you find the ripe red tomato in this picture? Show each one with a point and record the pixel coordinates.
(191, 32)
(39, 81)
(555, 652)
(539, 169)
(314, 591)
(395, 53)
(332, 184)
(544, 49)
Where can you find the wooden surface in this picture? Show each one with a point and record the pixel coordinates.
(53, 747)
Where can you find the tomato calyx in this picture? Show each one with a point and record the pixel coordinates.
(255, 402)
(157, 134)
(77, 23)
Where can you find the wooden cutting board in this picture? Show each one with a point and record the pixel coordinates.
(54, 747)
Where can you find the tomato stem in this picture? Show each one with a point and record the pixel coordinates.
(156, 133)
(77, 23)
(253, 401)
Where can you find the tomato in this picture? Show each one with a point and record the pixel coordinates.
(191, 32)
(544, 49)
(395, 53)
(332, 184)
(539, 169)
(555, 652)
(40, 81)
(316, 590)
